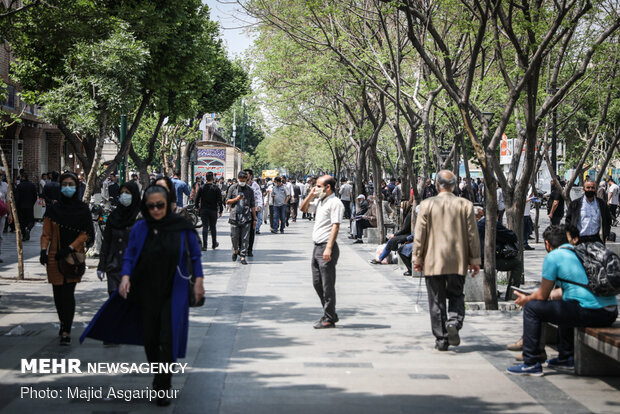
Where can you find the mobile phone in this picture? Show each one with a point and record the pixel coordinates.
(525, 292)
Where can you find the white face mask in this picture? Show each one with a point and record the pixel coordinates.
(241, 183)
(321, 193)
(125, 199)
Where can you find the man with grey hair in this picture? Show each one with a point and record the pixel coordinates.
(445, 246)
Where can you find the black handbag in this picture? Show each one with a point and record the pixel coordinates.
(191, 279)
(507, 251)
(73, 265)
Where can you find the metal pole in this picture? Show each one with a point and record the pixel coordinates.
(243, 128)
(123, 135)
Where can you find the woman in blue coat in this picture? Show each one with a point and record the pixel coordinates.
(151, 306)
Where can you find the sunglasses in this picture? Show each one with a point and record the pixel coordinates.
(156, 206)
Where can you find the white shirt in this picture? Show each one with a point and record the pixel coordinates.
(590, 218)
(329, 211)
(345, 192)
(613, 191)
(258, 195)
(500, 200)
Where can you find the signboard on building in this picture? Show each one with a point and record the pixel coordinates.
(210, 159)
(505, 150)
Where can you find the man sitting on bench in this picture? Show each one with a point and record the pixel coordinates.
(578, 306)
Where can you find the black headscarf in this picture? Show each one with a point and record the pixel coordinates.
(171, 221)
(72, 215)
(123, 217)
(172, 194)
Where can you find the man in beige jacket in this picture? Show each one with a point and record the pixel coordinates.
(446, 245)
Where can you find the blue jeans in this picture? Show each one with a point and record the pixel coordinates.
(279, 217)
(567, 314)
(259, 219)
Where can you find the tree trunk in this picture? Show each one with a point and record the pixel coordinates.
(92, 175)
(490, 282)
(376, 172)
(18, 231)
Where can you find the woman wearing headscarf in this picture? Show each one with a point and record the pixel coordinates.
(166, 182)
(116, 235)
(67, 227)
(151, 306)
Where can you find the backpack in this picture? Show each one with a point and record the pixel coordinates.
(602, 267)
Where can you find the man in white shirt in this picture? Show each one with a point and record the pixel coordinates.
(329, 215)
(345, 196)
(613, 197)
(501, 207)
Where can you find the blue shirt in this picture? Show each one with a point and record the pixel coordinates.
(589, 218)
(563, 263)
(180, 188)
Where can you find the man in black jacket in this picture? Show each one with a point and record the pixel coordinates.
(26, 196)
(590, 215)
(209, 203)
(396, 239)
(505, 240)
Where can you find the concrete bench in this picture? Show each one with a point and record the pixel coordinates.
(474, 286)
(597, 351)
(370, 235)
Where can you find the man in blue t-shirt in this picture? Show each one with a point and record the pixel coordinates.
(576, 307)
(180, 188)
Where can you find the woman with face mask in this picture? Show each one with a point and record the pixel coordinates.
(67, 227)
(116, 235)
(151, 305)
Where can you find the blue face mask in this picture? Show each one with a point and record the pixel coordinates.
(125, 199)
(68, 191)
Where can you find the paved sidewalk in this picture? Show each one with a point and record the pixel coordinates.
(252, 348)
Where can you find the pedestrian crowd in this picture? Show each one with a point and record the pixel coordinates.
(150, 253)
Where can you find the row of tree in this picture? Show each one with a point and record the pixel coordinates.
(161, 63)
(406, 86)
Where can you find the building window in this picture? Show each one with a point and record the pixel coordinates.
(9, 99)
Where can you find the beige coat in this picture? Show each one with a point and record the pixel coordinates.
(446, 235)
(50, 238)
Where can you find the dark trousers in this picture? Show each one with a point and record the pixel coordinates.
(324, 279)
(271, 216)
(360, 225)
(252, 236)
(26, 219)
(613, 209)
(440, 288)
(347, 208)
(555, 221)
(240, 235)
(157, 332)
(590, 239)
(528, 228)
(209, 222)
(405, 259)
(64, 299)
(279, 217)
(567, 315)
(515, 267)
(293, 210)
(500, 215)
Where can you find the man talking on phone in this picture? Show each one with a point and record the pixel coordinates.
(240, 198)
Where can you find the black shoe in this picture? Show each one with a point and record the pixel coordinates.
(243, 261)
(65, 340)
(441, 345)
(374, 261)
(257, 232)
(287, 224)
(281, 231)
(453, 335)
(204, 248)
(324, 324)
(274, 231)
(234, 257)
(216, 244)
(528, 248)
(407, 273)
(358, 241)
(1, 261)
(352, 237)
(250, 254)
(163, 401)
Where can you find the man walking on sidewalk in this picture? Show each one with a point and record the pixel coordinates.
(280, 196)
(446, 243)
(209, 203)
(329, 215)
(258, 200)
(240, 198)
(26, 196)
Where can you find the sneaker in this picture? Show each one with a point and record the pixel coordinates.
(558, 363)
(524, 369)
(441, 345)
(65, 340)
(324, 324)
(453, 335)
(243, 261)
(358, 241)
(374, 261)
(234, 257)
(517, 346)
(407, 273)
